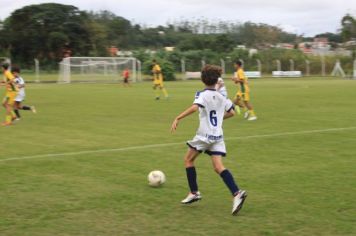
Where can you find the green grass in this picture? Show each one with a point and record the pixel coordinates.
(298, 183)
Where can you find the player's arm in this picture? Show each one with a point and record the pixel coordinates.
(239, 79)
(229, 110)
(229, 114)
(156, 69)
(236, 80)
(185, 113)
(12, 82)
(219, 84)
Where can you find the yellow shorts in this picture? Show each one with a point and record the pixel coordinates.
(244, 96)
(10, 98)
(158, 83)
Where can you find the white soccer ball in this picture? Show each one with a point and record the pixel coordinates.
(156, 178)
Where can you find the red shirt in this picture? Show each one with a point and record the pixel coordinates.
(126, 73)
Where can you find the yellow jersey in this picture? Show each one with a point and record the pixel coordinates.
(10, 82)
(157, 73)
(244, 88)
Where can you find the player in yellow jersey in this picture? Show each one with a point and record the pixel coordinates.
(158, 80)
(10, 95)
(242, 97)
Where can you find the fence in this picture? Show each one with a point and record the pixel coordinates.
(186, 68)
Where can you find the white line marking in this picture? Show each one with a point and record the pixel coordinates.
(170, 144)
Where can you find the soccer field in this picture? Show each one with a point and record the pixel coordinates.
(79, 166)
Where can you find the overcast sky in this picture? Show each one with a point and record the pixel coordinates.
(308, 17)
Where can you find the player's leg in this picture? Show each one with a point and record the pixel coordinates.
(249, 106)
(157, 93)
(5, 105)
(29, 108)
(224, 174)
(238, 102)
(251, 112)
(8, 118)
(217, 151)
(10, 115)
(239, 195)
(4, 102)
(11, 105)
(242, 99)
(126, 82)
(189, 158)
(17, 106)
(163, 89)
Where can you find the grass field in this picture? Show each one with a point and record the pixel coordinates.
(79, 166)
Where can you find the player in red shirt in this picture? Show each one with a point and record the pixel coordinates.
(126, 75)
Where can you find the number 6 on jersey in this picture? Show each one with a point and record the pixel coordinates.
(213, 118)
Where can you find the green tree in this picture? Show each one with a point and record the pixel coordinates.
(40, 31)
(167, 67)
(334, 38)
(114, 30)
(223, 43)
(348, 30)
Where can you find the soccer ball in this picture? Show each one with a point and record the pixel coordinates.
(156, 178)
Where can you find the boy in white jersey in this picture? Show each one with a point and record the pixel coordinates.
(20, 83)
(213, 109)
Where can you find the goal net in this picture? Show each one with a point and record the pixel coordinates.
(98, 69)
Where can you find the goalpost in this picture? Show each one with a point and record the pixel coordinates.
(97, 69)
(338, 71)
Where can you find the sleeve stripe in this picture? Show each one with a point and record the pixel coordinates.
(231, 108)
(200, 105)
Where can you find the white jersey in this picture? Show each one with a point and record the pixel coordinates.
(212, 108)
(21, 93)
(222, 89)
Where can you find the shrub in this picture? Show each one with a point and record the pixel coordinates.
(167, 67)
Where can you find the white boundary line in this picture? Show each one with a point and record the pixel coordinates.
(170, 144)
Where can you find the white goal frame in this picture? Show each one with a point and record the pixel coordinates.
(98, 69)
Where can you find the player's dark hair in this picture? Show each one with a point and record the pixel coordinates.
(238, 62)
(154, 61)
(210, 74)
(15, 69)
(5, 66)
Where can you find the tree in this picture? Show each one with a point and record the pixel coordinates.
(223, 43)
(4, 41)
(335, 38)
(167, 67)
(41, 31)
(116, 29)
(348, 30)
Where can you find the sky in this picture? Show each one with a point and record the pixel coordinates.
(307, 17)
